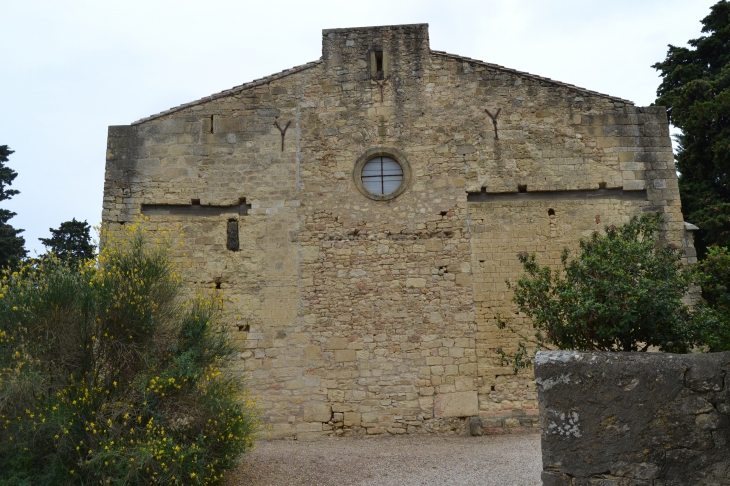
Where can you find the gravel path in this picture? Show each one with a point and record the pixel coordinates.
(512, 460)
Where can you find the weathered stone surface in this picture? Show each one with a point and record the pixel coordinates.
(317, 412)
(379, 306)
(457, 404)
(634, 418)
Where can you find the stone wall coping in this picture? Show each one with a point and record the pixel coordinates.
(532, 76)
(374, 27)
(296, 69)
(232, 91)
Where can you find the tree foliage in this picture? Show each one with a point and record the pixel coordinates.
(696, 90)
(12, 245)
(71, 241)
(713, 275)
(108, 377)
(622, 292)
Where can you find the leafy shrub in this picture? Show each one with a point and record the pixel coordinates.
(713, 276)
(108, 377)
(622, 292)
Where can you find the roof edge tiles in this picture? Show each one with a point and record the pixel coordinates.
(533, 76)
(231, 91)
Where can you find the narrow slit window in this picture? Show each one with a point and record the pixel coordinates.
(379, 63)
(232, 235)
(382, 176)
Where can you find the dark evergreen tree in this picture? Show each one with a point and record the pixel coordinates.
(12, 245)
(71, 241)
(696, 90)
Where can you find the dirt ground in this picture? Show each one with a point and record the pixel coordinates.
(510, 460)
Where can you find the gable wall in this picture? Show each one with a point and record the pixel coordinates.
(378, 316)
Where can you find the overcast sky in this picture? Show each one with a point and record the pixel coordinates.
(69, 69)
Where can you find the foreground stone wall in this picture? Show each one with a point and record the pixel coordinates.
(634, 419)
(358, 316)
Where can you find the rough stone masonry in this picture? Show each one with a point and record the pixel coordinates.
(364, 211)
(634, 419)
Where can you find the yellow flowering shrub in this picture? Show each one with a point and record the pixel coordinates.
(108, 376)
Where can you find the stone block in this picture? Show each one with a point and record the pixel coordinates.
(463, 279)
(312, 352)
(369, 417)
(464, 383)
(457, 404)
(416, 282)
(511, 423)
(337, 343)
(634, 185)
(434, 245)
(317, 412)
(351, 419)
(345, 355)
(335, 395)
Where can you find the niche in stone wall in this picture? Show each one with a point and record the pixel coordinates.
(232, 235)
(379, 63)
(553, 223)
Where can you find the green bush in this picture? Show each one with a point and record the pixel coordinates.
(108, 377)
(713, 275)
(623, 291)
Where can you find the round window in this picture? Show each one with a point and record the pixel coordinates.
(382, 174)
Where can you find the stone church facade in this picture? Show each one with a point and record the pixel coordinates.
(365, 210)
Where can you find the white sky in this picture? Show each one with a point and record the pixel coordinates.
(69, 69)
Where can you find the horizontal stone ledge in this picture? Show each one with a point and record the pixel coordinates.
(558, 195)
(192, 209)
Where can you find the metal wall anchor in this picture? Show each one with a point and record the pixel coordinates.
(283, 132)
(494, 121)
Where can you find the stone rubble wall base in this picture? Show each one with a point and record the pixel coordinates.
(634, 419)
(334, 427)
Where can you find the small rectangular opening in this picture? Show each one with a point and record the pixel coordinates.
(378, 62)
(195, 202)
(522, 188)
(212, 123)
(601, 185)
(232, 235)
(243, 327)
